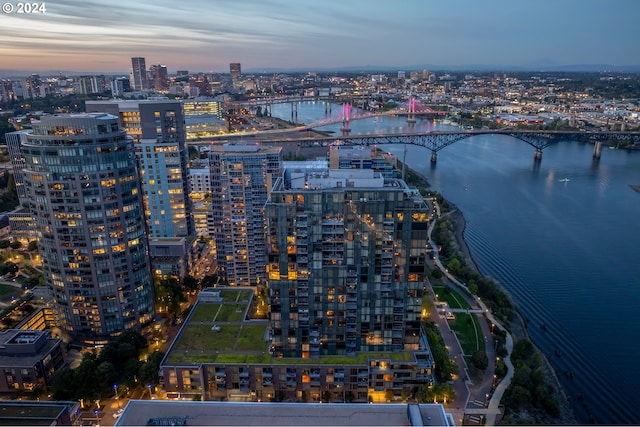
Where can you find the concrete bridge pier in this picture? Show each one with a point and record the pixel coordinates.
(597, 150)
(411, 119)
(434, 156)
(327, 108)
(537, 156)
(294, 111)
(345, 128)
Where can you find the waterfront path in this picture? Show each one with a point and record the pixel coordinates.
(479, 394)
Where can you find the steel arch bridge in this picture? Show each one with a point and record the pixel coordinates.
(437, 140)
(538, 139)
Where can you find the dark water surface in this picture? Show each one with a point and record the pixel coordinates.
(567, 252)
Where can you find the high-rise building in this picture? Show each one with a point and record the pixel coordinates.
(84, 194)
(157, 128)
(346, 252)
(160, 77)
(14, 142)
(120, 85)
(139, 79)
(241, 177)
(235, 70)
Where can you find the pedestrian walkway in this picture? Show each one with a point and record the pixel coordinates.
(491, 411)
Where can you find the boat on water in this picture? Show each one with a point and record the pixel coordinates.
(564, 180)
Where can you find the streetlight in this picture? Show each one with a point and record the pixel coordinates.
(149, 387)
(115, 391)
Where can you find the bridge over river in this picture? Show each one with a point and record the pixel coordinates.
(437, 140)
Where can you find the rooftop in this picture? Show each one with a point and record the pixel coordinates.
(35, 413)
(219, 332)
(155, 412)
(216, 330)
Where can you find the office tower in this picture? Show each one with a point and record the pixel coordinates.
(235, 70)
(139, 74)
(82, 184)
(204, 118)
(14, 142)
(241, 177)
(160, 77)
(345, 267)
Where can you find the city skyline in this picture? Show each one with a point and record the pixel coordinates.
(200, 36)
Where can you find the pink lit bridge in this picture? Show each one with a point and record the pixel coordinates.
(411, 109)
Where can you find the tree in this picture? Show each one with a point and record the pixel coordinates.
(190, 283)
(388, 395)
(8, 267)
(426, 394)
(169, 295)
(33, 245)
(16, 244)
(436, 273)
(479, 360)
(133, 338)
(148, 371)
(65, 387)
(473, 287)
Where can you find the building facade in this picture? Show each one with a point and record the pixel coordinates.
(158, 131)
(235, 70)
(346, 253)
(241, 177)
(84, 195)
(14, 142)
(157, 128)
(139, 80)
(28, 359)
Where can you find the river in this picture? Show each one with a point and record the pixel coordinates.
(565, 249)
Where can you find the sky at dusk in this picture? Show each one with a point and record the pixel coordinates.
(206, 35)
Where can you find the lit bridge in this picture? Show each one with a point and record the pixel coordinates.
(437, 140)
(347, 114)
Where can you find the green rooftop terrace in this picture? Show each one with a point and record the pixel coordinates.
(219, 333)
(220, 329)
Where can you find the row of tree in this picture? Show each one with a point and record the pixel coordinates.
(501, 305)
(529, 397)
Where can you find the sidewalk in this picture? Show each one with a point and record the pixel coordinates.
(482, 391)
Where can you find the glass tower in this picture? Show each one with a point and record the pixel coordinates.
(345, 268)
(84, 194)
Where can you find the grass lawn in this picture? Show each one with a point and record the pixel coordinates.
(470, 337)
(451, 297)
(245, 296)
(201, 337)
(231, 313)
(7, 291)
(205, 312)
(229, 296)
(251, 338)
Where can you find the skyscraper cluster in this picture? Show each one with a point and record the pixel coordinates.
(339, 246)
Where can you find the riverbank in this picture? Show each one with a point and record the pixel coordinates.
(517, 326)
